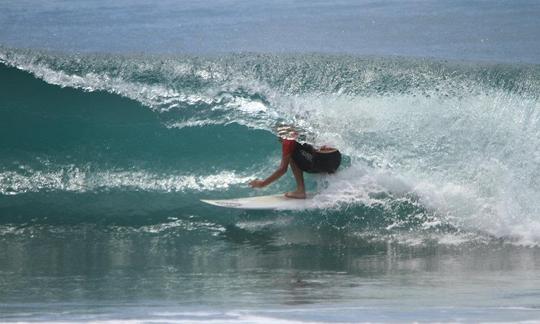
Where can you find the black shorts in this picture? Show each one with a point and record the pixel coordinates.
(311, 161)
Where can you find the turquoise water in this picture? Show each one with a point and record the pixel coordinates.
(107, 144)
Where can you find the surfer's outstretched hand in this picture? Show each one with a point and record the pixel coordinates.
(256, 183)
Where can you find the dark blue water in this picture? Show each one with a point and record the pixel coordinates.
(116, 119)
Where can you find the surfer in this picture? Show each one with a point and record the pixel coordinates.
(301, 158)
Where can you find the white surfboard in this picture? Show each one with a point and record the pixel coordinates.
(278, 202)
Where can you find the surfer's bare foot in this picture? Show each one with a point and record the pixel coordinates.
(296, 195)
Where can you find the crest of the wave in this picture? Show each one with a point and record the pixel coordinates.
(257, 90)
(151, 95)
(185, 91)
(77, 179)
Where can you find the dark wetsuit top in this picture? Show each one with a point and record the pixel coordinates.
(309, 160)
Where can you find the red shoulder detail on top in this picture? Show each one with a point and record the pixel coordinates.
(288, 146)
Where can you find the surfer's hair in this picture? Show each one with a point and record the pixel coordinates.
(285, 131)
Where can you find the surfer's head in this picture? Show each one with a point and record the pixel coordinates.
(286, 132)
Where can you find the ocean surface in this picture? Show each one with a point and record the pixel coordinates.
(117, 118)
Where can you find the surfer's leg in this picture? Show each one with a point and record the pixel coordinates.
(300, 192)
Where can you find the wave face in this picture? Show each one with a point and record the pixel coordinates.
(432, 146)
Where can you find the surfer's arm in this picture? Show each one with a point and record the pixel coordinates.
(274, 176)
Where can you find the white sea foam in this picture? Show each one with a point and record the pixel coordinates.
(239, 316)
(75, 179)
(469, 160)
